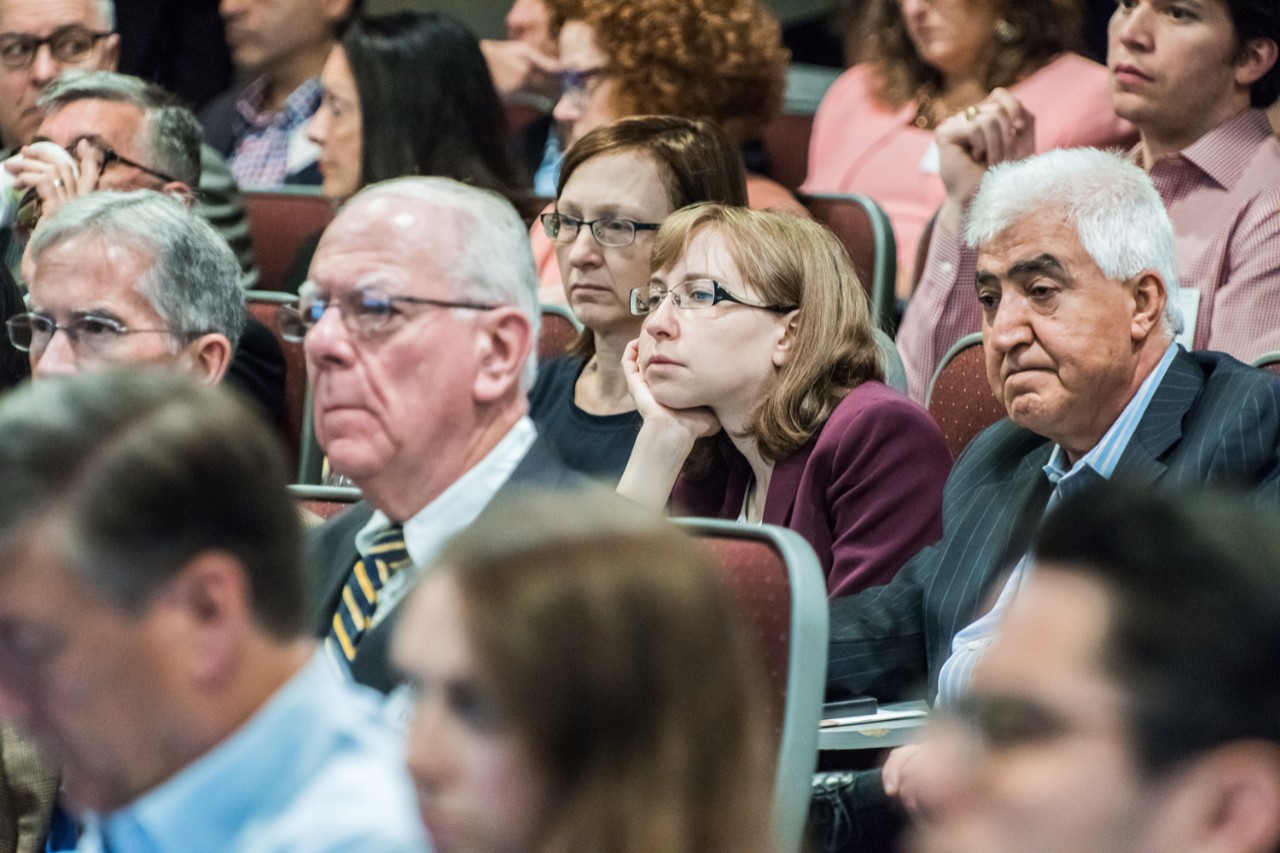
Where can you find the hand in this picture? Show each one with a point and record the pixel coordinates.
(901, 777)
(56, 176)
(997, 130)
(693, 423)
(519, 68)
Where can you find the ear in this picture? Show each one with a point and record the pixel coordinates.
(210, 356)
(1228, 801)
(1149, 298)
(337, 10)
(787, 341)
(180, 191)
(504, 341)
(1257, 56)
(211, 603)
(110, 56)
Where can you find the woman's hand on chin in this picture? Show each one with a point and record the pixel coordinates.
(688, 423)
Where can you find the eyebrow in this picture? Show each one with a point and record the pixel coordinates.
(1042, 264)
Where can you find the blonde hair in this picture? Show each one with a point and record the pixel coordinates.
(791, 260)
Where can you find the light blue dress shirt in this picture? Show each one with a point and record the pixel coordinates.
(313, 771)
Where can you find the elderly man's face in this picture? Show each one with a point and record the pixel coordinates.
(1061, 339)
(20, 87)
(88, 682)
(1039, 756)
(391, 401)
(86, 277)
(119, 126)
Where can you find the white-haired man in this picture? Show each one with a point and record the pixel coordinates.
(1075, 263)
(421, 317)
(1194, 79)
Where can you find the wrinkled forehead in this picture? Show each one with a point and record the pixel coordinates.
(117, 124)
(41, 17)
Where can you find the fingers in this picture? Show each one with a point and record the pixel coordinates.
(91, 164)
(997, 129)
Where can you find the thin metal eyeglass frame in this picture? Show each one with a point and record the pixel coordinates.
(719, 294)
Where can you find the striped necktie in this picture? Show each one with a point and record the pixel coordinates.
(360, 595)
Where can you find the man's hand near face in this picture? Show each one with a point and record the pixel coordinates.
(994, 131)
(56, 176)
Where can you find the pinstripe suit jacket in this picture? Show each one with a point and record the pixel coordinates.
(1212, 421)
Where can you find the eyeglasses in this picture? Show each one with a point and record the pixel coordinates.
(574, 84)
(364, 310)
(110, 155)
(91, 335)
(692, 295)
(608, 231)
(69, 44)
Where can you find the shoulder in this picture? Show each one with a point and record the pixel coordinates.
(876, 404)
(850, 97)
(339, 531)
(767, 194)
(1226, 377)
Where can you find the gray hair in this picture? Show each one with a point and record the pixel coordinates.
(1118, 215)
(107, 12)
(171, 133)
(494, 263)
(194, 279)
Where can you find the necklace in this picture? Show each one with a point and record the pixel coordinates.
(932, 110)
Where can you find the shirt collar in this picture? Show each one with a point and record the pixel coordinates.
(301, 104)
(1224, 152)
(1105, 455)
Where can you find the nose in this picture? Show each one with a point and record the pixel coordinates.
(585, 250)
(429, 752)
(44, 67)
(328, 342)
(913, 8)
(1009, 326)
(948, 767)
(58, 358)
(662, 322)
(229, 8)
(568, 109)
(1131, 27)
(318, 127)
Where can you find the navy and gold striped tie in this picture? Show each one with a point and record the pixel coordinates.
(360, 595)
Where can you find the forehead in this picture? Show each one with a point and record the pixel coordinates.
(402, 240)
(40, 17)
(87, 272)
(578, 48)
(1052, 641)
(116, 122)
(705, 256)
(622, 180)
(1036, 234)
(432, 638)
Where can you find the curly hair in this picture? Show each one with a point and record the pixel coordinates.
(1040, 30)
(719, 60)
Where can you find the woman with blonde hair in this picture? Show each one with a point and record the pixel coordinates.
(760, 384)
(584, 682)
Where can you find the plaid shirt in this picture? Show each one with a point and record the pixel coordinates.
(1222, 193)
(270, 146)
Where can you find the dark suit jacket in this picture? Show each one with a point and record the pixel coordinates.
(865, 492)
(331, 548)
(1212, 421)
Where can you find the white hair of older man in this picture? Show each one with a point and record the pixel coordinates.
(1110, 202)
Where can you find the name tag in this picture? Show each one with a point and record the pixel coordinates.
(1189, 301)
(930, 163)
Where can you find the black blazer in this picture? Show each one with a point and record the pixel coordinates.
(1212, 421)
(331, 549)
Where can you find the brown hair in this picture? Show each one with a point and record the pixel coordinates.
(696, 160)
(620, 659)
(790, 260)
(1040, 30)
(720, 60)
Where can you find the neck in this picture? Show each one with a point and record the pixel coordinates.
(283, 80)
(761, 471)
(602, 386)
(403, 489)
(1160, 141)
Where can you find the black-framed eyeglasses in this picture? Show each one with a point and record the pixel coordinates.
(574, 84)
(364, 310)
(110, 155)
(91, 335)
(692, 295)
(609, 231)
(70, 44)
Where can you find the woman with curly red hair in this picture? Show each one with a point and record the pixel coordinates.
(716, 60)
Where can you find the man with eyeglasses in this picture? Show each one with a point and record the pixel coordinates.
(420, 319)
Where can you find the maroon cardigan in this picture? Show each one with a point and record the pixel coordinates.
(866, 491)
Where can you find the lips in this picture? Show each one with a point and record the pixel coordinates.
(1125, 73)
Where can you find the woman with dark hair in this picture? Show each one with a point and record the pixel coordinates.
(921, 61)
(409, 94)
(760, 383)
(583, 681)
(618, 183)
